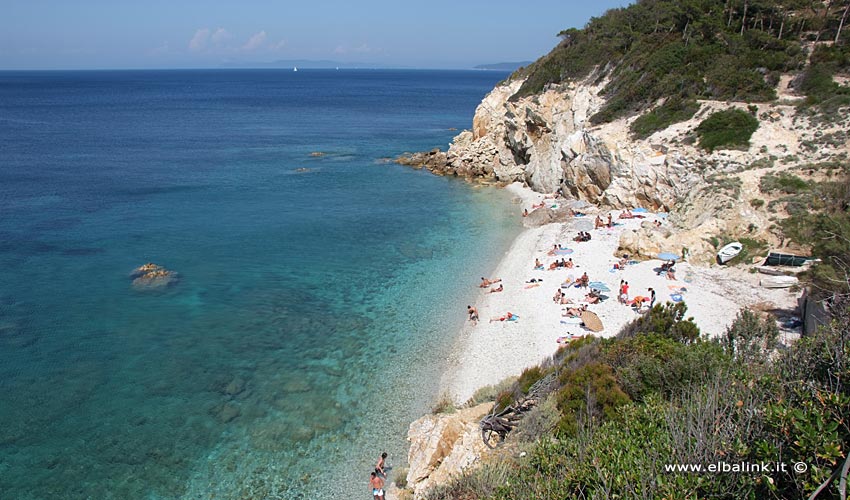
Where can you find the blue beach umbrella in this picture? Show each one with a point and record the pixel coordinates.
(667, 256)
(639, 210)
(598, 285)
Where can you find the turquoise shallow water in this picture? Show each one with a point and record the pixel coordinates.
(314, 308)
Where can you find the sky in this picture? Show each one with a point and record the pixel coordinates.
(123, 34)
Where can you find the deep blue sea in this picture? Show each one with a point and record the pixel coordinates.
(317, 296)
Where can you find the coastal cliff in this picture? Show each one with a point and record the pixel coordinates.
(547, 141)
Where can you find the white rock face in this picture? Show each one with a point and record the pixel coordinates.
(443, 446)
(547, 141)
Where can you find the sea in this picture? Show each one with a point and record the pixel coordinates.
(320, 286)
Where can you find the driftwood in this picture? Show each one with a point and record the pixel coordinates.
(496, 425)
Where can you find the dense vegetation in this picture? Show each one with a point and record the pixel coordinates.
(674, 51)
(728, 128)
(621, 409)
(820, 217)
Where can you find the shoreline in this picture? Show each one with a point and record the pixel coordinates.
(489, 352)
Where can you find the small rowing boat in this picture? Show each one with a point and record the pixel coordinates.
(729, 252)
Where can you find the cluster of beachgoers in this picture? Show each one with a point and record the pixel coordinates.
(565, 279)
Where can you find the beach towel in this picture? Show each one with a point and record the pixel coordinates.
(676, 297)
(571, 321)
(566, 339)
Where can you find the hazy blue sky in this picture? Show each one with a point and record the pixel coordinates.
(44, 34)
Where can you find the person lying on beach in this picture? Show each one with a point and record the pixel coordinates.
(671, 274)
(498, 289)
(666, 266)
(592, 298)
(627, 214)
(575, 312)
(486, 282)
(535, 207)
(535, 280)
(566, 300)
(554, 249)
(507, 317)
(554, 265)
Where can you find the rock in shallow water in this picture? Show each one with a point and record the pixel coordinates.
(152, 277)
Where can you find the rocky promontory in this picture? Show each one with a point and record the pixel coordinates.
(547, 142)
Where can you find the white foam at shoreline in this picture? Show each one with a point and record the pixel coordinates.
(490, 352)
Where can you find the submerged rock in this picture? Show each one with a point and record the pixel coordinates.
(151, 276)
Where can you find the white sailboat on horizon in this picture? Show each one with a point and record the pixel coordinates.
(295, 68)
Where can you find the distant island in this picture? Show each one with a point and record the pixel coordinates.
(307, 64)
(504, 66)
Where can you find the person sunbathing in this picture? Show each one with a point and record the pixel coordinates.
(584, 280)
(627, 214)
(592, 298)
(637, 302)
(485, 282)
(553, 266)
(575, 312)
(671, 274)
(554, 249)
(507, 317)
(598, 223)
(535, 207)
(558, 296)
(565, 299)
(500, 288)
(569, 264)
(538, 264)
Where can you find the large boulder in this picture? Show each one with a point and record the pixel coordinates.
(443, 446)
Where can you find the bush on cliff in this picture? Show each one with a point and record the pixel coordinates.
(727, 129)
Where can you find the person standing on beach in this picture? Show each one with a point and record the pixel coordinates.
(651, 297)
(377, 485)
(473, 316)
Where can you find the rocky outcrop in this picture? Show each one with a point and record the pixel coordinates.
(547, 142)
(151, 276)
(443, 446)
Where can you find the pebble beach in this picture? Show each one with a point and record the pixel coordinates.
(491, 350)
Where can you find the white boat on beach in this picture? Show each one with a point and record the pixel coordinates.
(729, 252)
(779, 281)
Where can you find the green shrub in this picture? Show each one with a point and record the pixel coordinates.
(491, 392)
(674, 110)
(756, 203)
(528, 378)
(589, 394)
(728, 128)
(750, 339)
(443, 405)
(665, 320)
(784, 182)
